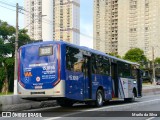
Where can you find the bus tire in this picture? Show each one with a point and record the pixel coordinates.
(130, 99)
(65, 103)
(133, 96)
(99, 98)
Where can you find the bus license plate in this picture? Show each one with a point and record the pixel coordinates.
(38, 87)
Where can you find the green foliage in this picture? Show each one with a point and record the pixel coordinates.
(135, 55)
(115, 54)
(2, 76)
(23, 38)
(7, 49)
(6, 30)
(9, 61)
(157, 60)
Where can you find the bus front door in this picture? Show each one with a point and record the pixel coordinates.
(87, 78)
(139, 82)
(114, 73)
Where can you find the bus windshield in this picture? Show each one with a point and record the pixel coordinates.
(38, 66)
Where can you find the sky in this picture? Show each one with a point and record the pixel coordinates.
(86, 18)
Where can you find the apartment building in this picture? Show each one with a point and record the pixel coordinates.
(33, 18)
(106, 26)
(67, 20)
(129, 24)
(53, 20)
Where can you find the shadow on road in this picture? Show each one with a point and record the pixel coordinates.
(80, 110)
(81, 107)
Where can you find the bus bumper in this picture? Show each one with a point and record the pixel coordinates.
(57, 92)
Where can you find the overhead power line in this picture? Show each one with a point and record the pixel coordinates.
(44, 20)
(7, 4)
(7, 8)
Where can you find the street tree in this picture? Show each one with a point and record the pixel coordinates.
(115, 54)
(7, 49)
(157, 60)
(135, 55)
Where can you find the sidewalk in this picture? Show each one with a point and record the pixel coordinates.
(150, 89)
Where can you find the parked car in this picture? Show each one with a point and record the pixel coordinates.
(158, 81)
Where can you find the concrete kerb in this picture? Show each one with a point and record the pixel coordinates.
(151, 90)
(11, 99)
(15, 103)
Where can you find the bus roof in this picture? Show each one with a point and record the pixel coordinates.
(81, 47)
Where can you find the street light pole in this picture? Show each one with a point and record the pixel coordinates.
(153, 66)
(16, 50)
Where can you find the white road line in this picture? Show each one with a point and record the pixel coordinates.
(150, 118)
(53, 118)
(41, 109)
(123, 105)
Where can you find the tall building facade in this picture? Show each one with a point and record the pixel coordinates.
(67, 20)
(33, 18)
(106, 26)
(53, 20)
(137, 26)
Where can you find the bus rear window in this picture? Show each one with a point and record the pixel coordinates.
(46, 51)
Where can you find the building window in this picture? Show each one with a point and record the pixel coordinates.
(146, 28)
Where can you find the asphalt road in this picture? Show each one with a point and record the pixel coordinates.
(145, 108)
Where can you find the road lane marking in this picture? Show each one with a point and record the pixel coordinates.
(150, 118)
(124, 105)
(53, 118)
(41, 109)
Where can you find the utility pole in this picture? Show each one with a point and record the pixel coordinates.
(153, 66)
(16, 50)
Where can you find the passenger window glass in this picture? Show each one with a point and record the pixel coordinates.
(74, 59)
(124, 70)
(100, 65)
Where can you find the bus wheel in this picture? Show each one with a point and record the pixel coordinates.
(99, 98)
(133, 97)
(130, 99)
(65, 103)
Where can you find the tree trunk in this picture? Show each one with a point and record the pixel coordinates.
(5, 83)
(5, 87)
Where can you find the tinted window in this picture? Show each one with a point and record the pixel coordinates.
(134, 72)
(100, 65)
(124, 69)
(74, 59)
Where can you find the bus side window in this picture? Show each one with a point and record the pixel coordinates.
(68, 62)
(78, 66)
(93, 62)
(124, 70)
(74, 59)
(134, 72)
(106, 66)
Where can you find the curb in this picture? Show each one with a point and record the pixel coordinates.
(151, 91)
(28, 106)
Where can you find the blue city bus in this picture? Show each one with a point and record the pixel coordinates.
(70, 73)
